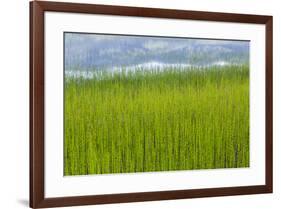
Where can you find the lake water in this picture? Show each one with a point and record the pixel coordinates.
(144, 66)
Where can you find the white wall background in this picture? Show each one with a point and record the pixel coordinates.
(14, 103)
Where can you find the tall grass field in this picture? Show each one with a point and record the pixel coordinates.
(157, 120)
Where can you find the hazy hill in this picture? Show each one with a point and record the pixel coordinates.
(88, 51)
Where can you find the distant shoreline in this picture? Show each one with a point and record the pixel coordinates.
(146, 67)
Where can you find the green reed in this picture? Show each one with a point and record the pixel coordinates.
(147, 121)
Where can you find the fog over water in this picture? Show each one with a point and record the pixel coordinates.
(86, 54)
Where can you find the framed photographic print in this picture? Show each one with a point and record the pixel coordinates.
(139, 104)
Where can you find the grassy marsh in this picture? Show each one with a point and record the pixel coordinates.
(147, 121)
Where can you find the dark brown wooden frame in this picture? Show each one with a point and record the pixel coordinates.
(37, 197)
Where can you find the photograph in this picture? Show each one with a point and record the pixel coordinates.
(135, 103)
